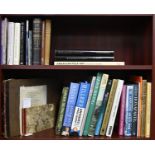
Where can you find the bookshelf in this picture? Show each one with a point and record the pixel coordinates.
(132, 37)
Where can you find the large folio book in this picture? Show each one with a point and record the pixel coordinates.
(12, 100)
(38, 118)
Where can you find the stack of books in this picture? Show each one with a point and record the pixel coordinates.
(85, 57)
(90, 109)
(25, 43)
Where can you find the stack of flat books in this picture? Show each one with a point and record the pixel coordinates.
(85, 57)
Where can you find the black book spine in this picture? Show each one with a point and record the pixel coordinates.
(36, 41)
(22, 44)
(84, 58)
(83, 53)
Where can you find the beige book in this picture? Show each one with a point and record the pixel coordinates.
(148, 110)
(109, 107)
(143, 112)
(47, 41)
(39, 118)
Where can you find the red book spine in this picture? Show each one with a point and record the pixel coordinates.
(122, 111)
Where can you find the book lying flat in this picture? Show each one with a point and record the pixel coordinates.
(83, 53)
(84, 58)
(93, 63)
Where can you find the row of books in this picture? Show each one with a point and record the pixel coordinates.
(25, 43)
(90, 109)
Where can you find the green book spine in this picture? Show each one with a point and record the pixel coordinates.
(109, 107)
(63, 101)
(99, 100)
(92, 103)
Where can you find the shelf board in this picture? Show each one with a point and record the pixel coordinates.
(62, 67)
(49, 135)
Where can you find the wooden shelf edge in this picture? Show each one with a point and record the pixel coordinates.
(50, 135)
(62, 67)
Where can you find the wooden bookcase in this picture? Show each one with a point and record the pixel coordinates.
(132, 37)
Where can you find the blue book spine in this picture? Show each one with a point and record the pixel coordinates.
(80, 108)
(103, 108)
(70, 107)
(128, 111)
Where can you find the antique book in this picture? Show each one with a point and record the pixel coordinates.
(22, 43)
(36, 41)
(48, 31)
(12, 98)
(39, 118)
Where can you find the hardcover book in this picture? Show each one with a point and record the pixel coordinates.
(83, 53)
(70, 107)
(39, 118)
(80, 108)
(36, 39)
(61, 112)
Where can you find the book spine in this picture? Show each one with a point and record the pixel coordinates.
(87, 105)
(103, 108)
(84, 58)
(128, 111)
(10, 47)
(122, 111)
(37, 23)
(16, 56)
(143, 112)
(135, 109)
(92, 103)
(26, 42)
(114, 108)
(62, 107)
(98, 104)
(108, 108)
(22, 43)
(83, 53)
(43, 44)
(30, 48)
(148, 110)
(4, 39)
(70, 107)
(48, 31)
(80, 108)
(88, 63)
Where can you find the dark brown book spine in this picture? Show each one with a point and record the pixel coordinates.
(36, 39)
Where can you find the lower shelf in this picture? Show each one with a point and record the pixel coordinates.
(49, 134)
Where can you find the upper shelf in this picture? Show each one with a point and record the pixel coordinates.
(51, 67)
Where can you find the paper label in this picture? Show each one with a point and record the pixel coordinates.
(26, 102)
